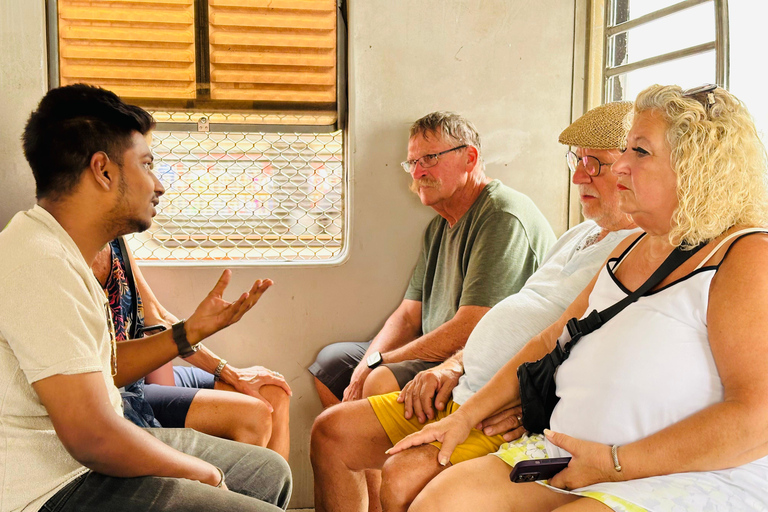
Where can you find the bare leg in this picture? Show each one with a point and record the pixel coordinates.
(280, 438)
(230, 415)
(404, 476)
(372, 485)
(380, 381)
(584, 505)
(483, 484)
(346, 439)
(281, 404)
(327, 398)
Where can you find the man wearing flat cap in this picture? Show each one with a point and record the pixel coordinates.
(354, 436)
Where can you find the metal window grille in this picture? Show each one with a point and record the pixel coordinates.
(657, 42)
(245, 196)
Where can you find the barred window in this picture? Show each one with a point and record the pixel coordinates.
(249, 100)
(665, 42)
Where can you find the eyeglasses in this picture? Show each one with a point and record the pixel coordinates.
(427, 161)
(592, 165)
(704, 94)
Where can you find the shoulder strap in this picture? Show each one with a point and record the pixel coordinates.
(595, 320)
(627, 251)
(131, 286)
(727, 239)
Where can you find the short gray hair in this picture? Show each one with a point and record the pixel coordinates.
(448, 125)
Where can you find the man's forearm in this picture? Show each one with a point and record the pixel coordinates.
(97, 436)
(443, 342)
(402, 327)
(204, 359)
(136, 358)
(124, 450)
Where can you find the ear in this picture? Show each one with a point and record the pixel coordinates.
(102, 172)
(473, 156)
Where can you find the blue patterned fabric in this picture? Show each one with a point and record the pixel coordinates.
(135, 407)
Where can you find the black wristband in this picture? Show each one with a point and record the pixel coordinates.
(180, 337)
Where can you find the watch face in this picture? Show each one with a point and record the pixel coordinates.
(374, 359)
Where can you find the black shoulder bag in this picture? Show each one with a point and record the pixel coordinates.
(537, 379)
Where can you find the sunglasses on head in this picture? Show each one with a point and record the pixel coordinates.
(704, 94)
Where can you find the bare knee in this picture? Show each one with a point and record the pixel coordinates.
(404, 475)
(325, 433)
(277, 397)
(254, 425)
(379, 382)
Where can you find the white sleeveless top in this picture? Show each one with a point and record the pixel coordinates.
(645, 369)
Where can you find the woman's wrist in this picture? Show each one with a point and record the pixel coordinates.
(465, 417)
(229, 375)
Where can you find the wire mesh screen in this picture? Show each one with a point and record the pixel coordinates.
(271, 197)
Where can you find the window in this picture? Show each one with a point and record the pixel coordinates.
(747, 44)
(249, 99)
(663, 41)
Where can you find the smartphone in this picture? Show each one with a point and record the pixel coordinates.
(538, 469)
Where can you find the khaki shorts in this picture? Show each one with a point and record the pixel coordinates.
(391, 415)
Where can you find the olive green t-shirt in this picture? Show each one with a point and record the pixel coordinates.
(485, 257)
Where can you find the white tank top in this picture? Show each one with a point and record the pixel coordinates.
(645, 369)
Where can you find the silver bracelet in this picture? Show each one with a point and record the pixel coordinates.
(221, 472)
(615, 455)
(218, 370)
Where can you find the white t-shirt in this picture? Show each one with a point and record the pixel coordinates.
(53, 320)
(510, 324)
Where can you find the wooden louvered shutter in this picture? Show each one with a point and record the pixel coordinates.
(139, 49)
(258, 56)
(274, 51)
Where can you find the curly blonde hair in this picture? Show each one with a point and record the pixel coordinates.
(719, 161)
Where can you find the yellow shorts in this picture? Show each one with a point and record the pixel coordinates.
(391, 415)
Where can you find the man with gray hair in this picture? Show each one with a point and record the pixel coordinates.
(485, 242)
(360, 435)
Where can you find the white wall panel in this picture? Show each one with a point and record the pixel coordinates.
(22, 84)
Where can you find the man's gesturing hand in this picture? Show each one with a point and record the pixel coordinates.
(214, 313)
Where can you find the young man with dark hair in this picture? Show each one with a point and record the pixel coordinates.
(64, 443)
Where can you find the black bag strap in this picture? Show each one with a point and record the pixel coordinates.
(131, 286)
(579, 328)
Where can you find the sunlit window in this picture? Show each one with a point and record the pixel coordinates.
(664, 42)
(748, 44)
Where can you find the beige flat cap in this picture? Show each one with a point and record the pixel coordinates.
(600, 128)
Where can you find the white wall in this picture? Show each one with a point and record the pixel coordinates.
(23, 81)
(505, 64)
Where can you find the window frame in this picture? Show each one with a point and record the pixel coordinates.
(341, 124)
(719, 45)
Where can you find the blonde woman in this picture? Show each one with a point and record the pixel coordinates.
(665, 407)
